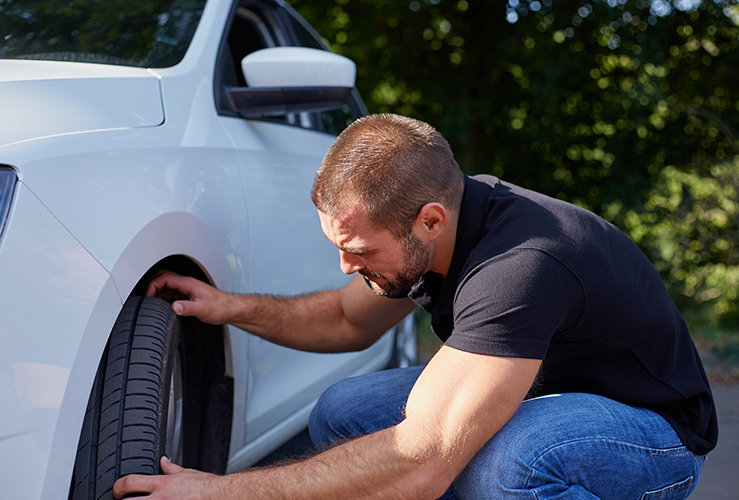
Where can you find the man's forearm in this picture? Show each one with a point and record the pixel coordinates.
(348, 319)
(313, 322)
(384, 465)
(379, 466)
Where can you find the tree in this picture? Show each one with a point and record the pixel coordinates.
(604, 103)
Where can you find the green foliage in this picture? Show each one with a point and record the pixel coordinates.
(688, 225)
(620, 106)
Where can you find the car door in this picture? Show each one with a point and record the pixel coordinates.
(288, 253)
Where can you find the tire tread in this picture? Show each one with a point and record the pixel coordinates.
(119, 434)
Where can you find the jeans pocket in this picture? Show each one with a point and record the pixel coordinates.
(677, 491)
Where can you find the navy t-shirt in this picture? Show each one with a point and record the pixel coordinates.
(535, 277)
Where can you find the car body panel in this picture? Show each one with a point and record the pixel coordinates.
(270, 437)
(78, 101)
(133, 186)
(55, 287)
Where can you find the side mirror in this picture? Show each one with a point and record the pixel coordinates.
(285, 80)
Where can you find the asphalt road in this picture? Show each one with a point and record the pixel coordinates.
(721, 471)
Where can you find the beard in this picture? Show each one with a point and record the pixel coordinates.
(416, 259)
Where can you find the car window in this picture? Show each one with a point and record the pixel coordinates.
(258, 24)
(145, 33)
(255, 25)
(334, 121)
(251, 30)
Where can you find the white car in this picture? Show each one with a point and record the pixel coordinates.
(182, 135)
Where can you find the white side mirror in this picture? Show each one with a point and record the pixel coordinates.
(297, 67)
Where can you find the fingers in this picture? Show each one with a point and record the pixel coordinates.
(189, 296)
(168, 467)
(156, 284)
(206, 309)
(165, 281)
(179, 308)
(185, 308)
(134, 484)
(202, 307)
(174, 287)
(175, 483)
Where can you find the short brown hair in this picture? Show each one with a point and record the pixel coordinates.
(391, 166)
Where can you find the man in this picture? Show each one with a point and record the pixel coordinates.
(531, 296)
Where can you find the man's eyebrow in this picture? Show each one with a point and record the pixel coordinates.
(355, 251)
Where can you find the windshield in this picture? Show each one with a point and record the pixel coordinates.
(145, 33)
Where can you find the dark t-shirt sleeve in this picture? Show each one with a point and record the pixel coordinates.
(513, 305)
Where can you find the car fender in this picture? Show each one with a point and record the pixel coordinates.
(171, 234)
(120, 182)
(43, 324)
(176, 233)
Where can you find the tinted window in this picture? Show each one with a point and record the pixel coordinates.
(259, 24)
(334, 121)
(146, 33)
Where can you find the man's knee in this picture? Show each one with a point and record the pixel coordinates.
(361, 405)
(325, 424)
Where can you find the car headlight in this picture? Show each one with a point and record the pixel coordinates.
(7, 185)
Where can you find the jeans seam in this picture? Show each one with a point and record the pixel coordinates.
(675, 450)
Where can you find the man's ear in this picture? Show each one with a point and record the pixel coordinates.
(431, 220)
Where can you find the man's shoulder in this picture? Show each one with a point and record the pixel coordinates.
(517, 268)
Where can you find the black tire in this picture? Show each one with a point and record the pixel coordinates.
(125, 425)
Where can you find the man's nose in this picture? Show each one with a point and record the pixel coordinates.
(350, 263)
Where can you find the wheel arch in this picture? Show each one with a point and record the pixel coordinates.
(178, 242)
(212, 347)
(183, 243)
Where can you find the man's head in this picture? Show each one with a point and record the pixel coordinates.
(390, 265)
(389, 166)
(386, 190)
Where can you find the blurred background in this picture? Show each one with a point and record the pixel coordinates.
(627, 108)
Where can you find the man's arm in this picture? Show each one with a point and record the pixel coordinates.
(348, 319)
(460, 401)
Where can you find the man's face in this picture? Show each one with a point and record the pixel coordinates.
(390, 265)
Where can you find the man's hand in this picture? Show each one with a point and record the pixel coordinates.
(176, 484)
(192, 297)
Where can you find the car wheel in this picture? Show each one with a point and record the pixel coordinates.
(137, 404)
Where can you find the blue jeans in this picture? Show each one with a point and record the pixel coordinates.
(567, 446)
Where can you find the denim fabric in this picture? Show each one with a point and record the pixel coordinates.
(568, 446)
